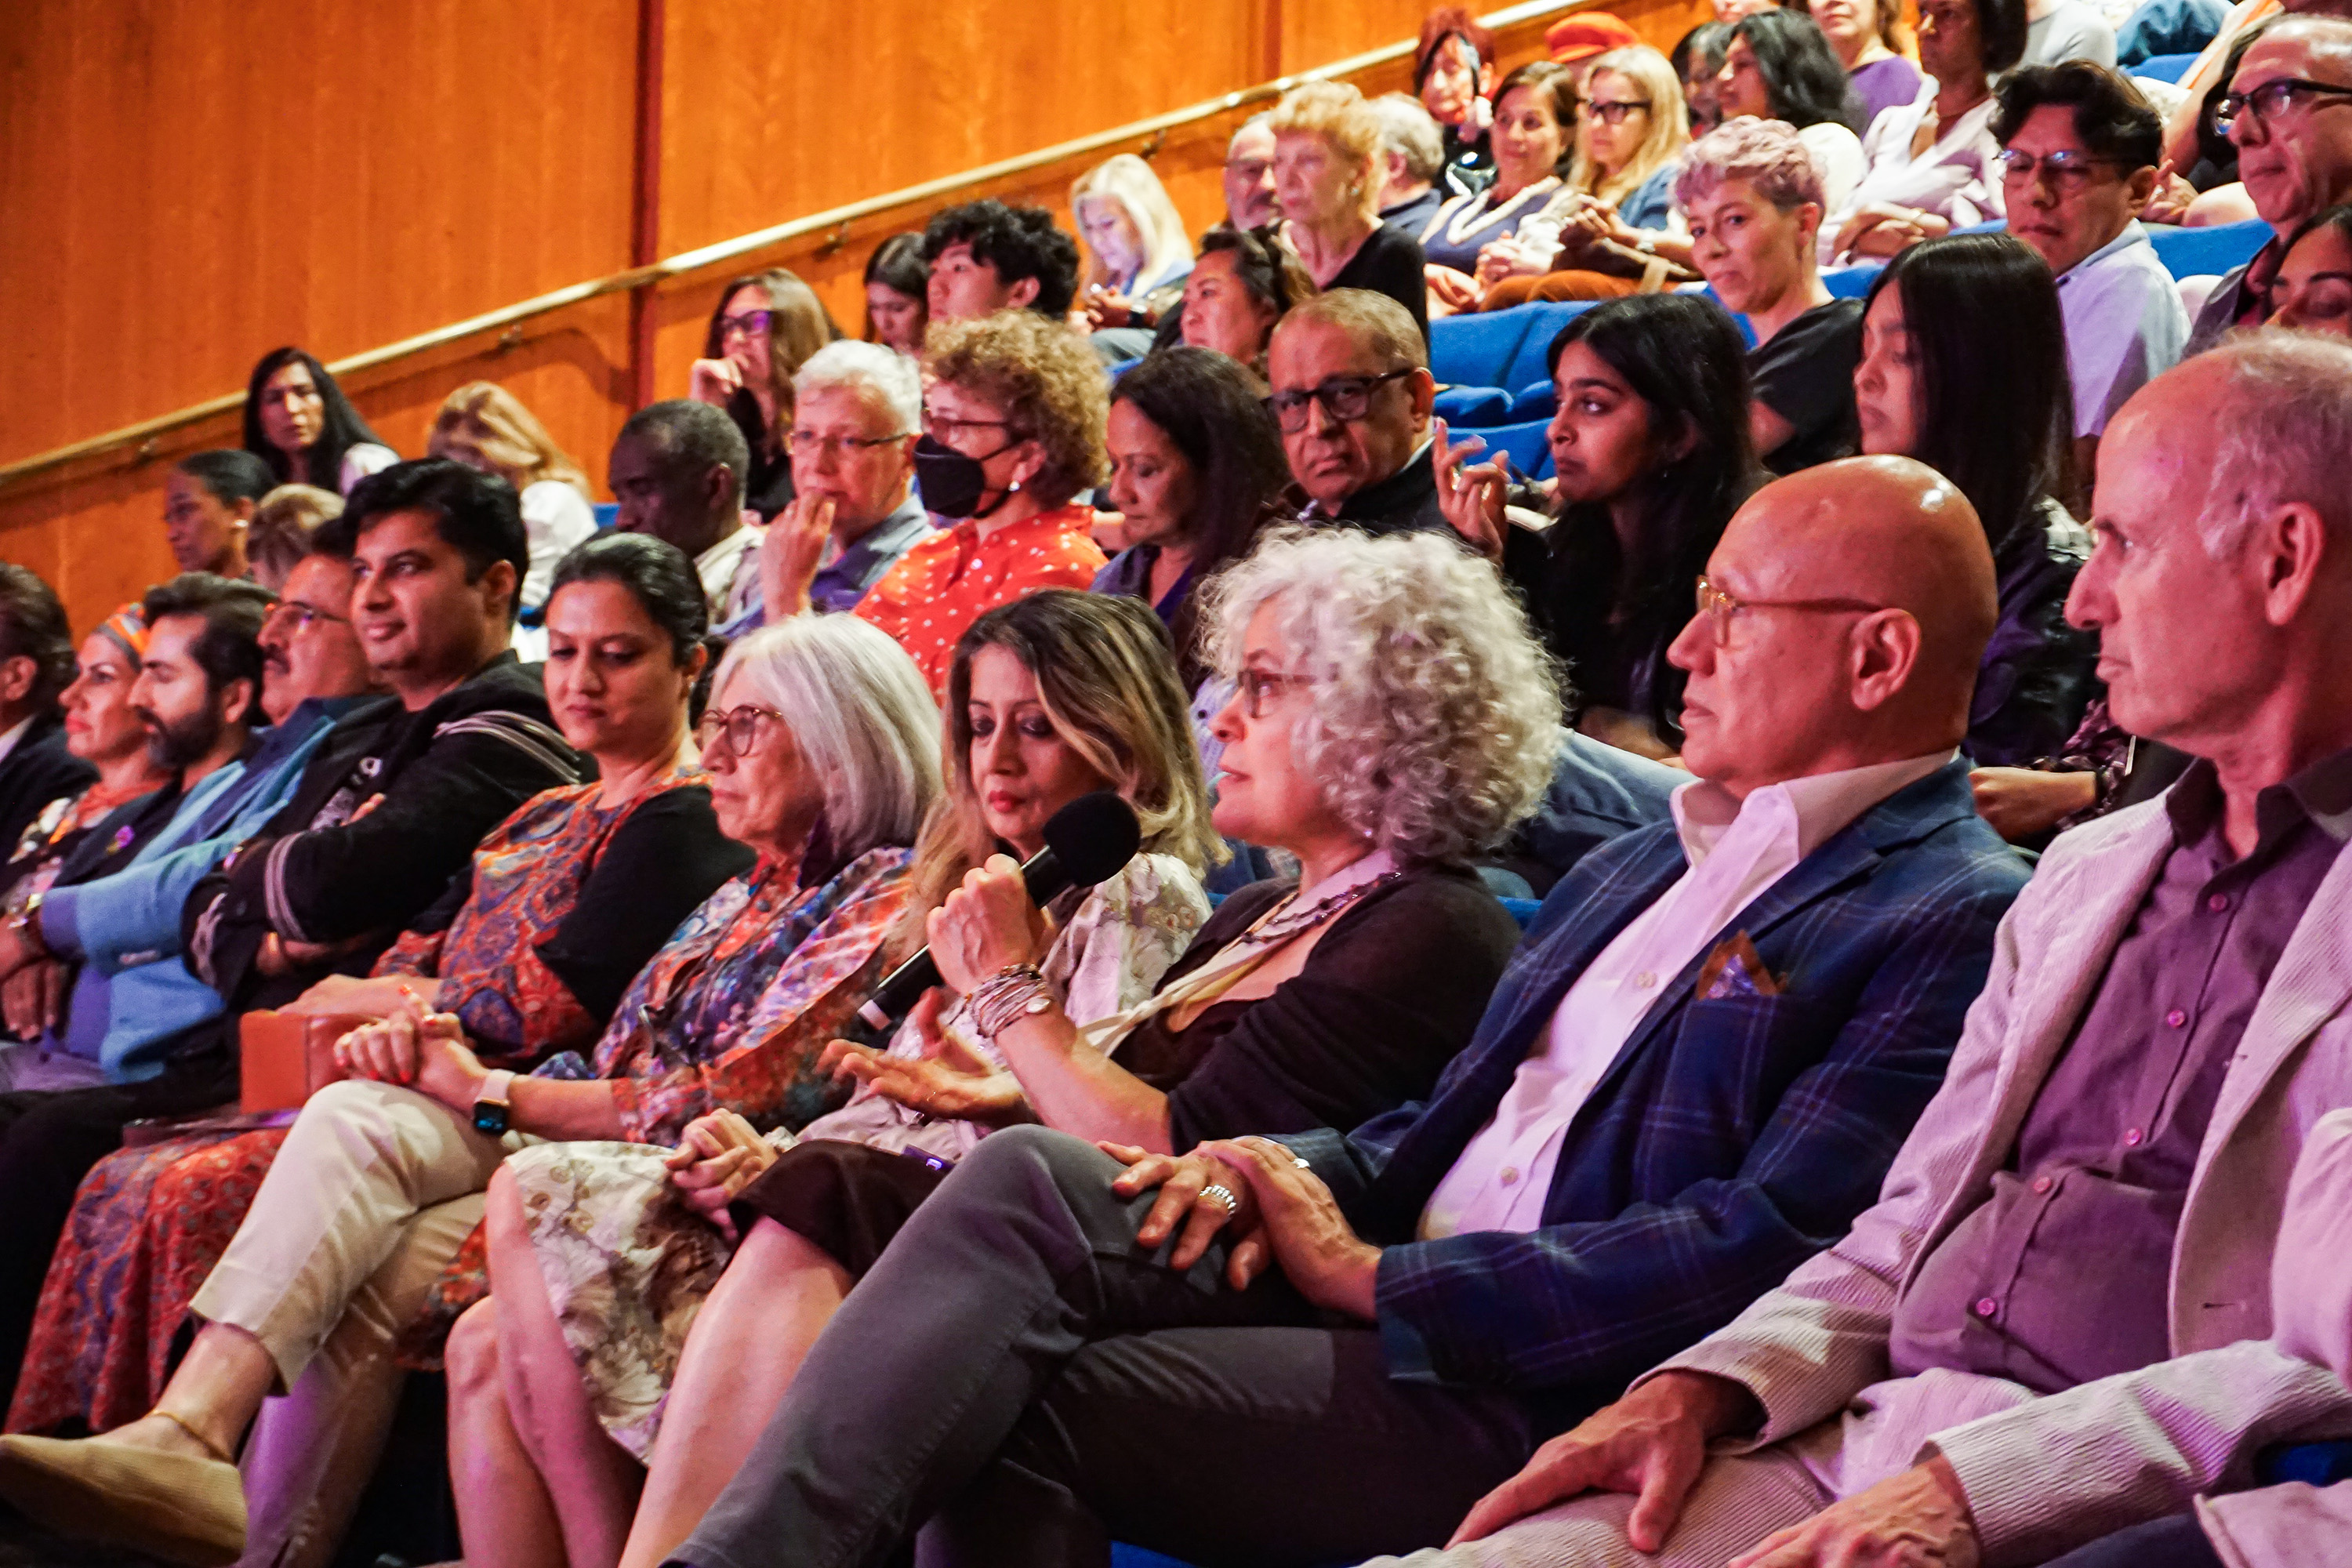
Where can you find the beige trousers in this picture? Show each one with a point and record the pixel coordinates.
(376, 1190)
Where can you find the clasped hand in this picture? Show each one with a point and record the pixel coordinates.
(717, 1157)
(1281, 1213)
(419, 1049)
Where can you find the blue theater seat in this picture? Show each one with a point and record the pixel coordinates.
(2196, 252)
(2162, 67)
(1852, 282)
(607, 513)
(1536, 400)
(1469, 407)
(1471, 351)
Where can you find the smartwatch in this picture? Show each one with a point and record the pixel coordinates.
(490, 1105)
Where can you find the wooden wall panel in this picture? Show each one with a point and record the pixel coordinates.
(175, 200)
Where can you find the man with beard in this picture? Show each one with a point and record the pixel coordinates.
(118, 1002)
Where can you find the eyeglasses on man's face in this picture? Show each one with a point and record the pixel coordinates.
(1346, 398)
(2267, 102)
(2067, 169)
(295, 617)
(807, 443)
(1718, 607)
(738, 727)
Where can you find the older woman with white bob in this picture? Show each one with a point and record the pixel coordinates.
(823, 753)
(1394, 718)
(1328, 177)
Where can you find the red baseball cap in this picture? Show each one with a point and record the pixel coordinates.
(1587, 34)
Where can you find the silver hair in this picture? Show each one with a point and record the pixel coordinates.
(889, 377)
(1408, 128)
(1435, 714)
(860, 714)
(2285, 422)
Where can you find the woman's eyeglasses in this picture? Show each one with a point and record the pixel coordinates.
(740, 727)
(1616, 111)
(749, 324)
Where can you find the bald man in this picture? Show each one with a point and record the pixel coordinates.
(2056, 1322)
(1694, 1076)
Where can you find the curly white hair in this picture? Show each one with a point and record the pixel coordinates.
(1434, 715)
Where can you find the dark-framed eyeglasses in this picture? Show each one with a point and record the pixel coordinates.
(1259, 689)
(2269, 101)
(803, 443)
(1614, 111)
(2067, 169)
(1719, 607)
(749, 324)
(738, 727)
(1346, 398)
(296, 617)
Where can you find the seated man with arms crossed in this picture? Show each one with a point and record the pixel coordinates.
(1693, 1073)
(2054, 1322)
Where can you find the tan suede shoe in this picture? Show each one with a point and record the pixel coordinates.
(172, 1506)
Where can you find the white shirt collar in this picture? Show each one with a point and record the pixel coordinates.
(2132, 235)
(8, 741)
(1816, 807)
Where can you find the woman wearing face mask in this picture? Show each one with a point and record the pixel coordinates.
(1052, 697)
(1535, 115)
(1651, 449)
(298, 420)
(1964, 367)
(1013, 420)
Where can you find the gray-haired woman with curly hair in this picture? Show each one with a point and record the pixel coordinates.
(1394, 716)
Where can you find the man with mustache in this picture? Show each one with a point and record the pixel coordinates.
(119, 1029)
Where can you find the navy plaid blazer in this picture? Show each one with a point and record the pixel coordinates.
(1731, 1138)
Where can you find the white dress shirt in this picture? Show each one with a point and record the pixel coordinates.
(1736, 851)
(8, 743)
(728, 575)
(1958, 178)
(2125, 325)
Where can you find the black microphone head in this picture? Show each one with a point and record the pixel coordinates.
(1092, 837)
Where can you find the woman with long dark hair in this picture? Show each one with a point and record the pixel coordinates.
(1195, 462)
(763, 329)
(898, 295)
(1964, 367)
(1778, 66)
(299, 422)
(1652, 453)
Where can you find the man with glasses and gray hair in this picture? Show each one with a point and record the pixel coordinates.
(1353, 394)
(2289, 113)
(857, 412)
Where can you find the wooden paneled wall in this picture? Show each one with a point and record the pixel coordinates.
(185, 184)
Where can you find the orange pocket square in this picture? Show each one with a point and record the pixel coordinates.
(1733, 969)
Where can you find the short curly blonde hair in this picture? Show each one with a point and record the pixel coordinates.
(1046, 381)
(1435, 713)
(1340, 115)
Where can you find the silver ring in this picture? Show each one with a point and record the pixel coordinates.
(1299, 1163)
(1222, 1195)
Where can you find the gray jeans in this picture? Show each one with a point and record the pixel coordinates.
(1019, 1374)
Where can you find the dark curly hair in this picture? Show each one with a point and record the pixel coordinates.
(1015, 243)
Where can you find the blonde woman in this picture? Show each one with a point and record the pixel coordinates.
(1138, 254)
(486, 427)
(764, 329)
(1052, 697)
(1329, 171)
(1619, 188)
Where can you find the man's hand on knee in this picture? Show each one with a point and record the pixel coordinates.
(1652, 1443)
(1917, 1520)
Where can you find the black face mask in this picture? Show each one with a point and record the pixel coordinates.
(951, 483)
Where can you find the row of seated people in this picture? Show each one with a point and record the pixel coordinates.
(1739, 1210)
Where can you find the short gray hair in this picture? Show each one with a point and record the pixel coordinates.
(1408, 128)
(887, 375)
(1375, 321)
(2285, 422)
(1434, 718)
(859, 712)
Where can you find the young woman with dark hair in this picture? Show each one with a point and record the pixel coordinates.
(1778, 66)
(763, 329)
(1652, 453)
(1195, 464)
(299, 422)
(898, 295)
(1964, 367)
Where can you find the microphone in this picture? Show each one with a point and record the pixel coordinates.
(1087, 842)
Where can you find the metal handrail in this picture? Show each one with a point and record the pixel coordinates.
(711, 255)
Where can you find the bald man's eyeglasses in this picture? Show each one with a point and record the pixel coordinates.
(1717, 607)
(1346, 398)
(2269, 101)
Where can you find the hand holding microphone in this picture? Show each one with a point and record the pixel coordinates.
(988, 917)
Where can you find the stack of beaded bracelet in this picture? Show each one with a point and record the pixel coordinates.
(1016, 992)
